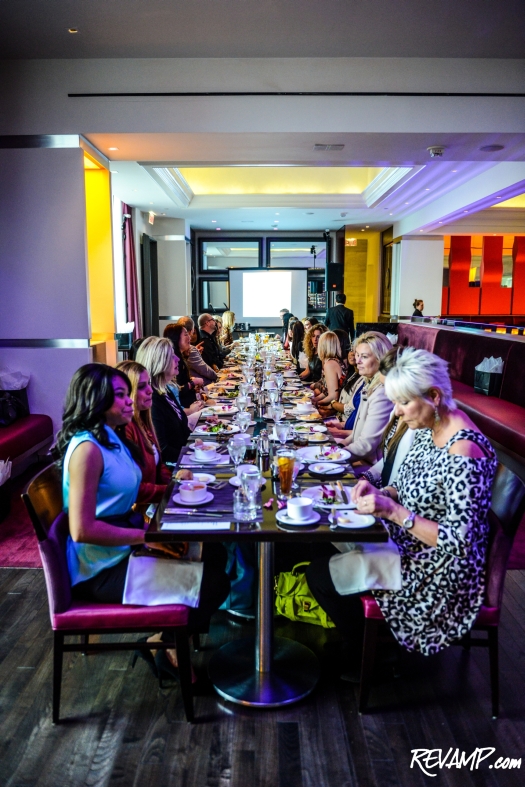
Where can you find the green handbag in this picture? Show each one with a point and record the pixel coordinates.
(294, 600)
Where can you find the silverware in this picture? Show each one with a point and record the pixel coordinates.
(344, 493)
(198, 511)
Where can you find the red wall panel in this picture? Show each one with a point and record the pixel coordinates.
(495, 299)
(518, 276)
(462, 299)
(444, 300)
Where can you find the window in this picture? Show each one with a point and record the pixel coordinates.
(222, 254)
(214, 293)
(297, 254)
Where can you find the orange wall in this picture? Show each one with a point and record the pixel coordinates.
(100, 254)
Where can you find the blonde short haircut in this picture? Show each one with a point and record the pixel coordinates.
(329, 347)
(378, 343)
(415, 373)
(156, 355)
(228, 319)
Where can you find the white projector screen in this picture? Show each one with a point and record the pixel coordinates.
(257, 296)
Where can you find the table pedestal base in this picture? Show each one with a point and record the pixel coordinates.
(293, 675)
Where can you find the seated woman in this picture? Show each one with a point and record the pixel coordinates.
(329, 353)
(187, 385)
(436, 517)
(228, 323)
(349, 395)
(363, 437)
(139, 436)
(198, 368)
(296, 349)
(169, 418)
(100, 484)
(289, 334)
(315, 367)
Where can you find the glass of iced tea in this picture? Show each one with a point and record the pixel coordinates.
(285, 466)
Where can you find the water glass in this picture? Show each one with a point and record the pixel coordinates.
(282, 430)
(236, 449)
(273, 395)
(242, 403)
(243, 419)
(279, 380)
(277, 412)
(244, 509)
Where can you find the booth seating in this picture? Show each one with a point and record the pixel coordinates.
(24, 440)
(501, 418)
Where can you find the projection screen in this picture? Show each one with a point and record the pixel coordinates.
(257, 296)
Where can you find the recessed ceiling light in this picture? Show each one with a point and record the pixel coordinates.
(277, 214)
(151, 203)
(362, 230)
(454, 170)
(421, 230)
(310, 213)
(440, 222)
(491, 148)
(427, 189)
(498, 197)
(162, 214)
(407, 203)
(218, 229)
(114, 171)
(72, 30)
(465, 211)
(214, 221)
(367, 225)
(112, 148)
(391, 214)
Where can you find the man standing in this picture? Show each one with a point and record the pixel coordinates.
(210, 351)
(340, 317)
(285, 316)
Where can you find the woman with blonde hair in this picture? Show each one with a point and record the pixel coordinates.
(140, 435)
(315, 368)
(228, 323)
(329, 352)
(169, 419)
(364, 429)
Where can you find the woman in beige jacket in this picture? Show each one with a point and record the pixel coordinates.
(364, 441)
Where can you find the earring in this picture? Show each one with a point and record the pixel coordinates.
(437, 417)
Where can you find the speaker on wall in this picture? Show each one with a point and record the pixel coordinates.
(335, 277)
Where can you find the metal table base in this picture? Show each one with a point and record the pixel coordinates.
(264, 671)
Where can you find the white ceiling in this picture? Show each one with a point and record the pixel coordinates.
(262, 28)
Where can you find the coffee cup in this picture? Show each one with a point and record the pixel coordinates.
(205, 451)
(192, 491)
(300, 508)
(241, 468)
(304, 407)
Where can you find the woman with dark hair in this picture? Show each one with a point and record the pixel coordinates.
(315, 367)
(297, 344)
(344, 341)
(139, 434)
(418, 305)
(100, 485)
(181, 341)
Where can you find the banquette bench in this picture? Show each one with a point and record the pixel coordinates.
(25, 438)
(501, 418)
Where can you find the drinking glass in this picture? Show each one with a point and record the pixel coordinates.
(251, 451)
(243, 389)
(243, 508)
(279, 380)
(243, 419)
(282, 430)
(242, 403)
(285, 466)
(277, 412)
(236, 449)
(273, 395)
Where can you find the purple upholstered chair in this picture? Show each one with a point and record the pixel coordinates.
(505, 513)
(43, 499)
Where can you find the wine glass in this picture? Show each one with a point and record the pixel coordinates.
(282, 430)
(277, 412)
(279, 380)
(273, 395)
(242, 403)
(236, 449)
(243, 419)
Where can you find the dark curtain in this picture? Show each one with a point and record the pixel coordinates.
(130, 270)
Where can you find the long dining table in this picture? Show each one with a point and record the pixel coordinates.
(262, 670)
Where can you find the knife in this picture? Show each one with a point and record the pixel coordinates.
(344, 493)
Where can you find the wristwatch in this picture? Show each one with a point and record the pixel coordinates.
(408, 522)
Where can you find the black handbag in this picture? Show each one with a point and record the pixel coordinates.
(12, 407)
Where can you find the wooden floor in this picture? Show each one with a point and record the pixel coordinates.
(120, 729)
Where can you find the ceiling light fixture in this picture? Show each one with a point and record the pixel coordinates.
(492, 148)
(214, 221)
(72, 30)
(112, 148)
(218, 229)
(367, 226)
(427, 189)
(114, 171)
(436, 151)
(454, 170)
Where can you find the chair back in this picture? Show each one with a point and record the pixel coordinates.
(505, 513)
(54, 561)
(43, 499)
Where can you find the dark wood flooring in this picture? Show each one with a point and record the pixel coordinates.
(120, 729)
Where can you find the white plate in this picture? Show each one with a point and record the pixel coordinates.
(358, 522)
(226, 386)
(235, 481)
(289, 374)
(220, 409)
(315, 493)
(282, 516)
(307, 417)
(314, 454)
(217, 459)
(317, 439)
(250, 423)
(204, 478)
(310, 428)
(190, 504)
(229, 429)
(327, 468)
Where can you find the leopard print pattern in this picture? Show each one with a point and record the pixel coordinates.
(442, 586)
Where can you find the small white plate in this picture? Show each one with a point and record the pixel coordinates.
(217, 459)
(235, 481)
(204, 478)
(326, 468)
(189, 504)
(310, 428)
(316, 492)
(311, 454)
(317, 438)
(282, 516)
(359, 521)
(220, 409)
(228, 429)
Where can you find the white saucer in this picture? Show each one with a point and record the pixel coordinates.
(282, 516)
(326, 468)
(189, 504)
(204, 478)
(360, 521)
(216, 459)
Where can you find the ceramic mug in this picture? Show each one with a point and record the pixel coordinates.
(300, 508)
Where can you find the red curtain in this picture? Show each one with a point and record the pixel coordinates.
(130, 270)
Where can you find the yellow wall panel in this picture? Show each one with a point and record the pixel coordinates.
(362, 274)
(100, 254)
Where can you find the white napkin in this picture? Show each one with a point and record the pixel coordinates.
(392, 337)
(364, 566)
(151, 581)
(494, 365)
